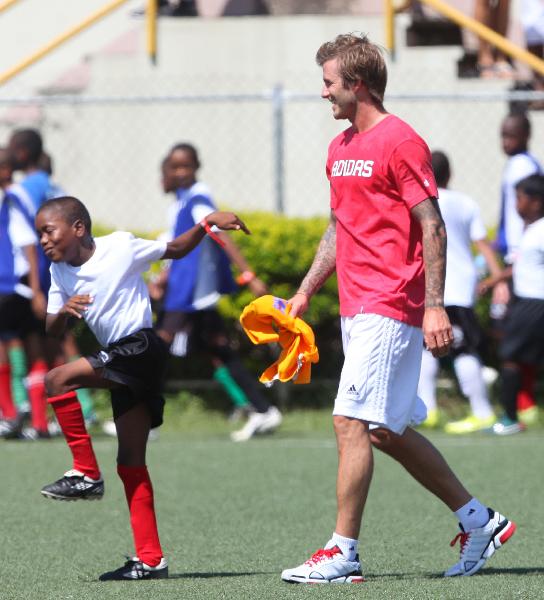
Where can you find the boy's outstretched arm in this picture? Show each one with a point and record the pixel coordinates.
(184, 243)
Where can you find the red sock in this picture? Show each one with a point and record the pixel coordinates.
(526, 395)
(139, 493)
(6, 399)
(70, 418)
(36, 394)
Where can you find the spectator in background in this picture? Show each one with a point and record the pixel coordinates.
(493, 63)
(515, 136)
(464, 226)
(36, 186)
(15, 348)
(22, 303)
(532, 18)
(523, 339)
(194, 284)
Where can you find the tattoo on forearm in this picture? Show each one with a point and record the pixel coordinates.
(324, 262)
(434, 250)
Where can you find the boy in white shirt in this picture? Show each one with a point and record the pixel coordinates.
(100, 280)
(523, 341)
(464, 227)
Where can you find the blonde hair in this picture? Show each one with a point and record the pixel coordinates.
(358, 60)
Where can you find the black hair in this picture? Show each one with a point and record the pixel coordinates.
(523, 121)
(441, 168)
(72, 210)
(532, 186)
(190, 149)
(31, 140)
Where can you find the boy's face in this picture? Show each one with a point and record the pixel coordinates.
(60, 240)
(182, 168)
(528, 208)
(513, 138)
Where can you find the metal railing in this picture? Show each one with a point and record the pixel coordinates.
(151, 30)
(459, 18)
(7, 4)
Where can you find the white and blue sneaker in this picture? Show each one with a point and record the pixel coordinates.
(326, 566)
(478, 545)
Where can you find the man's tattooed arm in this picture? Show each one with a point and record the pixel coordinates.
(324, 262)
(434, 250)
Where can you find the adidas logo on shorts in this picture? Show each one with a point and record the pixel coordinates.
(352, 391)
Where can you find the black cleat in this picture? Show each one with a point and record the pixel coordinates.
(74, 486)
(135, 570)
(10, 429)
(30, 434)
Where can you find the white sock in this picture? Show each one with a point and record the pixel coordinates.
(468, 369)
(473, 515)
(426, 388)
(348, 546)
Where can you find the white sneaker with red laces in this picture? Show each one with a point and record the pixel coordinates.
(477, 545)
(326, 566)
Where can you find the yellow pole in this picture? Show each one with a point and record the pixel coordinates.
(390, 28)
(7, 4)
(487, 34)
(151, 27)
(56, 42)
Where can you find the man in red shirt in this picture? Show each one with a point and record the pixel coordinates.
(387, 242)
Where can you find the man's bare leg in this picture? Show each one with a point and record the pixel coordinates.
(424, 462)
(355, 467)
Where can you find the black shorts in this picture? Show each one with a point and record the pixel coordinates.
(137, 362)
(523, 340)
(201, 327)
(468, 336)
(17, 320)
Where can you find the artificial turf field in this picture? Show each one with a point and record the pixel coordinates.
(232, 516)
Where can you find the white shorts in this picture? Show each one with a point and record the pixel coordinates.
(381, 372)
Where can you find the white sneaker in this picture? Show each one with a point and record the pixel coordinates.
(489, 375)
(258, 423)
(477, 545)
(326, 566)
(108, 427)
(272, 420)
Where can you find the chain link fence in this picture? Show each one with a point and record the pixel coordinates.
(260, 151)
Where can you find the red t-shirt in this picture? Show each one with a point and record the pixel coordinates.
(376, 177)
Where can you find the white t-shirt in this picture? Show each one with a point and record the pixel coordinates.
(112, 276)
(517, 168)
(464, 225)
(528, 269)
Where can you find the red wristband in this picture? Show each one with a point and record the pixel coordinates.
(245, 278)
(205, 225)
